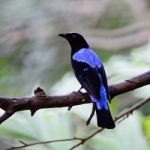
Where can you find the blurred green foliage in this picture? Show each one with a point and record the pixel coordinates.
(146, 124)
(32, 55)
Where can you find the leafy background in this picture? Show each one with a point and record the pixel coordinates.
(31, 55)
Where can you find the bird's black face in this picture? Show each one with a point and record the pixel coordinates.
(76, 41)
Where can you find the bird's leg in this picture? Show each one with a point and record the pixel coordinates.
(91, 115)
(80, 89)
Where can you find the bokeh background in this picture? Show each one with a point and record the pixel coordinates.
(31, 55)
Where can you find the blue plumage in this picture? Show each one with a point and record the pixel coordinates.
(90, 72)
(89, 57)
(86, 55)
(101, 103)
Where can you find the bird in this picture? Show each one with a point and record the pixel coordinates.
(89, 71)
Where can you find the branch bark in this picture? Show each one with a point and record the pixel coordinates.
(41, 100)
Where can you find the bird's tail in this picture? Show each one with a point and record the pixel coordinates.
(104, 118)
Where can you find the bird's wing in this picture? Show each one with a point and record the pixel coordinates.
(88, 56)
(101, 72)
(89, 71)
(90, 80)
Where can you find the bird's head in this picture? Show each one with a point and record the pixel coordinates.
(75, 40)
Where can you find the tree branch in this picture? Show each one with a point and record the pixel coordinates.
(41, 100)
(118, 119)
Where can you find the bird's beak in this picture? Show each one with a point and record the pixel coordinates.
(62, 35)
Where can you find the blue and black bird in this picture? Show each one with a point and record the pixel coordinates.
(90, 72)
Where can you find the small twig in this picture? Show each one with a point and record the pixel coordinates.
(24, 145)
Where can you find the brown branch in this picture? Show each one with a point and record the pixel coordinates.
(130, 84)
(5, 116)
(118, 119)
(41, 100)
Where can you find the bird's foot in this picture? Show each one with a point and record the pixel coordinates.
(79, 91)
